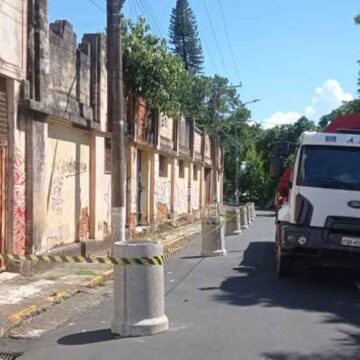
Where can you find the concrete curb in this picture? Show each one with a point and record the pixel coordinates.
(16, 319)
(179, 242)
(101, 279)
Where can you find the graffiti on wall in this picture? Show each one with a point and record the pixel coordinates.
(162, 197)
(56, 195)
(181, 196)
(64, 170)
(71, 168)
(19, 205)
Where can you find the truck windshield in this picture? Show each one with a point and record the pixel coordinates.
(330, 167)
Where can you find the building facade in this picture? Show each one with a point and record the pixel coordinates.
(55, 143)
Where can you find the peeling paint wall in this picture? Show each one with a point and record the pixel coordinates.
(101, 209)
(181, 189)
(13, 34)
(68, 185)
(163, 187)
(196, 188)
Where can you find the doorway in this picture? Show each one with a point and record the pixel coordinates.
(3, 165)
(139, 189)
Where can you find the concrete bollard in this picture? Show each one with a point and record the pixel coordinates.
(248, 213)
(244, 218)
(253, 211)
(213, 237)
(139, 292)
(233, 225)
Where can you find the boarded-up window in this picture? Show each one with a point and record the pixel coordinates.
(181, 169)
(108, 157)
(195, 176)
(3, 114)
(163, 166)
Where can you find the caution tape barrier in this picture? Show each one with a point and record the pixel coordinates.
(156, 260)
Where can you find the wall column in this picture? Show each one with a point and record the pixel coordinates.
(36, 190)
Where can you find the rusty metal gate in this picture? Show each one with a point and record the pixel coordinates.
(3, 164)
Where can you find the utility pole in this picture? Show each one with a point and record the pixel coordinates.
(116, 120)
(215, 96)
(237, 162)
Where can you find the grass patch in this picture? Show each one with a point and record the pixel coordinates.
(53, 277)
(85, 272)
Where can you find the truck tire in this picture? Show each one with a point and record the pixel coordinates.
(284, 265)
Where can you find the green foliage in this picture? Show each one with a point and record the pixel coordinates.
(357, 19)
(255, 147)
(253, 178)
(270, 139)
(349, 107)
(185, 38)
(149, 69)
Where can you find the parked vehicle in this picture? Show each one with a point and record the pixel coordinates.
(320, 222)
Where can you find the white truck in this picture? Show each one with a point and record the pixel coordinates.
(320, 224)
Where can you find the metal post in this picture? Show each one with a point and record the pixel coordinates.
(237, 193)
(116, 120)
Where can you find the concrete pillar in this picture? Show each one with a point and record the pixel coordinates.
(248, 214)
(36, 197)
(251, 212)
(139, 292)
(213, 236)
(254, 210)
(244, 218)
(233, 225)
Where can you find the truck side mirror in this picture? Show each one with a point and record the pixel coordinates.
(276, 166)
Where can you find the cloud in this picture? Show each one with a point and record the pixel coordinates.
(327, 98)
(281, 118)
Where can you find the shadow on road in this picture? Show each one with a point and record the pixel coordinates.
(266, 214)
(294, 356)
(326, 291)
(88, 337)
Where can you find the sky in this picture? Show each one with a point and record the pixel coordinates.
(298, 57)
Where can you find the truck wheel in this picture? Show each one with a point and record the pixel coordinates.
(284, 265)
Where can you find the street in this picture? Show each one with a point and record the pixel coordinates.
(223, 308)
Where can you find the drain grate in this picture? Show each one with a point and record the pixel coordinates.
(9, 356)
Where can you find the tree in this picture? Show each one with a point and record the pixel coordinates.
(185, 38)
(150, 70)
(349, 107)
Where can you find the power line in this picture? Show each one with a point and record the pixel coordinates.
(132, 10)
(228, 40)
(215, 37)
(144, 10)
(152, 14)
(209, 53)
(97, 5)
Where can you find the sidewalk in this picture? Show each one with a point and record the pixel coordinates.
(21, 298)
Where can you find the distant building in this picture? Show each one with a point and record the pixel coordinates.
(55, 143)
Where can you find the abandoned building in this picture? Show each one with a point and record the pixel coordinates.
(55, 148)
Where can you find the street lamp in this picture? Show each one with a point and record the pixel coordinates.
(237, 192)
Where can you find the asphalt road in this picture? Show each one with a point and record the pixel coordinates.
(225, 308)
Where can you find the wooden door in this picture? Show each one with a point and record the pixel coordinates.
(3, 164)
(208, 186)
(139, 188)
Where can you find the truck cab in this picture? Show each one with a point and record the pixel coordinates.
(320, 223)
